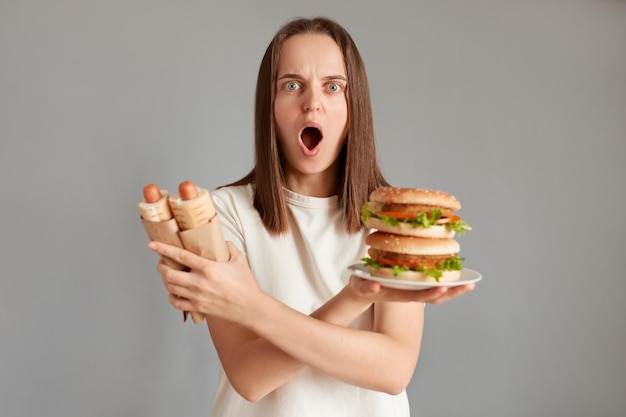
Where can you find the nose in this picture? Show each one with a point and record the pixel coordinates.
(312, 100)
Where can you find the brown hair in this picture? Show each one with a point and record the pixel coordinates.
(359, 173)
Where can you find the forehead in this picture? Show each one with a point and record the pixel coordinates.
(303, 51)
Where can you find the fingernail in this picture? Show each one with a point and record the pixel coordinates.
(152, 245)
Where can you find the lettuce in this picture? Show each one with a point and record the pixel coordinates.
(423, 220)
(460, 227)
(451, 264)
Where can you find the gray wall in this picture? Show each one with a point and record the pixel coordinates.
(517, 108)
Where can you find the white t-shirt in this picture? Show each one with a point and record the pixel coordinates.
(303, 268)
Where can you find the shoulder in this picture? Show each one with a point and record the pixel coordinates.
(233, 196)
(237, 213)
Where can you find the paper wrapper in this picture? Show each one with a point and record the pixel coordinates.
(166, 232)
(207, 241)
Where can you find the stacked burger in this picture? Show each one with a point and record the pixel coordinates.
(414, 237)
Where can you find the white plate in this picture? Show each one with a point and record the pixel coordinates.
(467, 276)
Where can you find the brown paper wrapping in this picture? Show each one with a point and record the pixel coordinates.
(166, 232)
(208, 242)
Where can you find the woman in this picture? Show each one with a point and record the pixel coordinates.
(295, 334)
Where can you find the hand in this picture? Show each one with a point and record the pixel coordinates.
(372, 291)
(220, 289)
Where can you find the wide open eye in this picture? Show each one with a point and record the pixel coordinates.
(334, 87)
(292, 86)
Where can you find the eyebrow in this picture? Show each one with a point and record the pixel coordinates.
(299, 77)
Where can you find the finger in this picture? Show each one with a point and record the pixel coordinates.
(180, 303)
(179, 255)
(424, 296)
(172, 263)
(364, 287)
(458, 290)
(179, 291)
(453, 292)
(176, 281)
(232, 250)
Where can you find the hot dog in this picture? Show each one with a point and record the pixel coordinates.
(192, 207)
(200, 230)
(155, 206)
(159, 222)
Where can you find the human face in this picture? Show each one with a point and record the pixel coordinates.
(311, 112)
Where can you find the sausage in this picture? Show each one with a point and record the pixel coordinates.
(152, 193)
(187, 190)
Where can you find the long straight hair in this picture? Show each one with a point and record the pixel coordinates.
(359, 172)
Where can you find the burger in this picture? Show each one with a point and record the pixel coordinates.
(414, 234)
(413, 258)
(413, 212)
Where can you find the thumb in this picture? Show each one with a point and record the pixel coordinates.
(233, 252)
(363, 286)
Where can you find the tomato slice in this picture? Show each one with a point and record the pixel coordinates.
(398, 214)
(410, 216)
(445, 220)
(391, 262)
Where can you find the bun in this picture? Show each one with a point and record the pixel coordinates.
(419, 238)
(447, 276)
(412, 245)
(397, 195)
(405, 229)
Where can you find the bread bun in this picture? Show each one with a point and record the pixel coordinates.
(447, 276)
(412, 245)
(396, 195)
(413, 236)
(406, 229)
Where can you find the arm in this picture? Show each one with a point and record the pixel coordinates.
(255, 367)
(262, 343)
(383, 359)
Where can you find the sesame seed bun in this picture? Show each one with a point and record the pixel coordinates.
(412, 245)
(406, 229)
(398, 210)
(393, 249)
(446, 276)
(396, 195)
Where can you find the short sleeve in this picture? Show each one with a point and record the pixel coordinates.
(227, 204)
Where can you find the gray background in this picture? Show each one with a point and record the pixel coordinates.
(517, 108)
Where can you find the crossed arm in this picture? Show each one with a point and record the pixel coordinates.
(262, 343)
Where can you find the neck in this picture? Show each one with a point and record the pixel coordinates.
(313, 185)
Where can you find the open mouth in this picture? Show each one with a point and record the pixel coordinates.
(311, 137)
